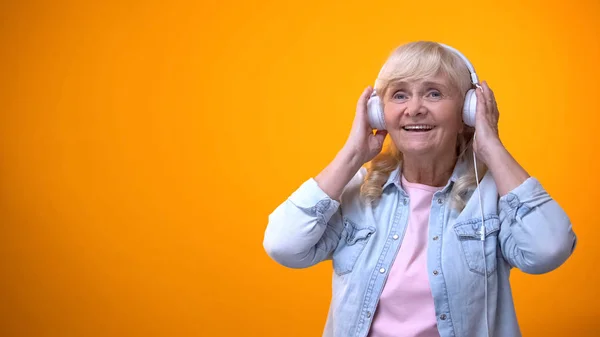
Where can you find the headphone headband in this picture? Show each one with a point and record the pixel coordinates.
(474, 79)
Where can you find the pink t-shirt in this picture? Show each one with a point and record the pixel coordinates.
(406, 304)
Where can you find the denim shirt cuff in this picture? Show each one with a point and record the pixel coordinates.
(522, 199)
(314, 201)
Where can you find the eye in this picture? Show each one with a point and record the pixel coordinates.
(434, 94)
(399, 95)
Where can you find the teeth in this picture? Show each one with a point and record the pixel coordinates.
(418, 127)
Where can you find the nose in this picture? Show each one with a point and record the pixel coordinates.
(415, 107)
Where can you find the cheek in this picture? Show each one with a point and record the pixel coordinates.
(452, 117)
(392, 112)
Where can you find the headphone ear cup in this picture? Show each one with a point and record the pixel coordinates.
(469, 108)
(375, 112)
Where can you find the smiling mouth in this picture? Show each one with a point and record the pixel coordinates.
(418, 128)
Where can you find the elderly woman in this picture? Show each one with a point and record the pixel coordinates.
(422, 241)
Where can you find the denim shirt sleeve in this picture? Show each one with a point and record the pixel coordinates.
(536, 235)
(305, 229)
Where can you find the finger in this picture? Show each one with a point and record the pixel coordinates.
(495, 112)
(364, 97)
(380, 137)
(489, 96)
(381, 133)
(481, 106)
(492, 96)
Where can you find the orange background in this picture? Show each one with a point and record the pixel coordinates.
(143, 145)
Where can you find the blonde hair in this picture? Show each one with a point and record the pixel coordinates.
(417, 60)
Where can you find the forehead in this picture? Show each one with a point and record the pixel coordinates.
(440, 80)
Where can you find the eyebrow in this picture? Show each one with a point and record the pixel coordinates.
(430, 83)
(426, 84)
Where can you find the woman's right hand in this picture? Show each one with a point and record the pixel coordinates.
(361, 142)
(360, 147)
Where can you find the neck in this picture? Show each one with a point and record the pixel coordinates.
(430, 171)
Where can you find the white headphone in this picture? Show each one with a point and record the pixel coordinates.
(375, 109)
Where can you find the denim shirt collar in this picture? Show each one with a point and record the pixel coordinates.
(459, 169)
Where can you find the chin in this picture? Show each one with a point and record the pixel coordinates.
(416, 149)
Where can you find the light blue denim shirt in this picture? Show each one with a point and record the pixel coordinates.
(525, 229)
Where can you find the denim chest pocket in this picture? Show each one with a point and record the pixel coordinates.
(351, 245)
(469, 235)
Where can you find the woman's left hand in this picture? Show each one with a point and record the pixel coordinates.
(487, 139)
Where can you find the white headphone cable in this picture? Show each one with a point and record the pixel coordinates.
(482, 238)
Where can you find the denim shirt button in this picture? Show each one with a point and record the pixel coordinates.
(382, 270)
(395, 237)
(368, 314)
(435, 238)
(405, 201)
(440, 201)
(443, 317)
